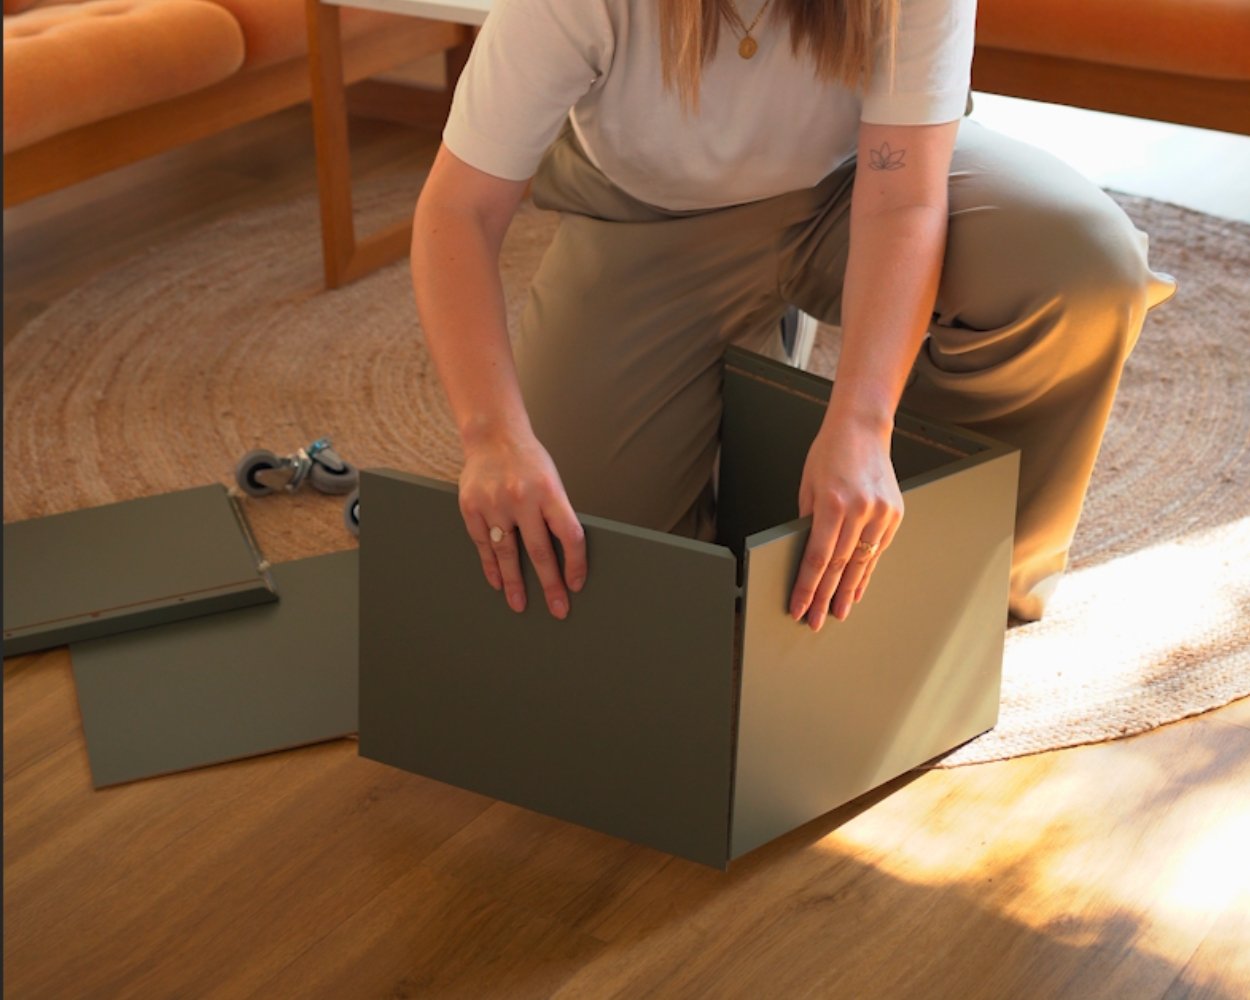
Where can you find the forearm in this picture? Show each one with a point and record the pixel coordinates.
(510, 492)
(897, 242)
(893, 268)
(460, 299)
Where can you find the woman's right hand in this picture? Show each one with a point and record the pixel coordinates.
(509, 482)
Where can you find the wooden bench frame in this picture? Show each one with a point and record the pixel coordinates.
(1170, 97)
(65, 159)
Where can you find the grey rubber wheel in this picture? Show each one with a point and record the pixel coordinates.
(351, 513)
(253, 462)
(336, 483)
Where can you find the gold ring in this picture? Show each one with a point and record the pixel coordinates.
(867, 548)
(496, 534)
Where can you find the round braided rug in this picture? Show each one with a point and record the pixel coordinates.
(157, 375)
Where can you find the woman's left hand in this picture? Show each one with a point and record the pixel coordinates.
(850, 491)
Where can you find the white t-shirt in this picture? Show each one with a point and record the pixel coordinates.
(765, 125)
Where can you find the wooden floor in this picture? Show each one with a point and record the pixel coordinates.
(1113, 871)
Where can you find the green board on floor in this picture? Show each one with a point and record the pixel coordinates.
(221, 687)
(96, 572)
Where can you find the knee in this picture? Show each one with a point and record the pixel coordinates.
(1079, 269)
(1103, 280)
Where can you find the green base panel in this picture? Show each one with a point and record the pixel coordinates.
(222, 687)
(104, 570)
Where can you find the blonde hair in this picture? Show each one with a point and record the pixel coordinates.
(841, 37)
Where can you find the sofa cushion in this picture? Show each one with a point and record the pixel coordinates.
(69, 64)
(276, 30)
(1205, 38)
(20, 6)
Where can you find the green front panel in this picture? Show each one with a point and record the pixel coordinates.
(129, 565)
(618, 718)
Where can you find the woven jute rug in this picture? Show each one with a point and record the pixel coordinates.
(157, 375)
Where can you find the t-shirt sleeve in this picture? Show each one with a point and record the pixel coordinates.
(532, 61)
(928, 83)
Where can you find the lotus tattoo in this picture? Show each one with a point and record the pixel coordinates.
(886, 158)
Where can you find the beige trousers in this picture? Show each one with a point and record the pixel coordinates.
(1044, 289)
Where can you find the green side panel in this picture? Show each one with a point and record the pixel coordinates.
(221, 687)
(96, 572)
(914, 671)
(618, 718)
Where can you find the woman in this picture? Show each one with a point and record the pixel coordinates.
(722, 159)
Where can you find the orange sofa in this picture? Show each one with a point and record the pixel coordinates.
(90, 85)
(1183, 61)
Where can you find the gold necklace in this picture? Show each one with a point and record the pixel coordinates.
(748, 46)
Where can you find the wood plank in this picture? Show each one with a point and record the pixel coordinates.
(1220, 968)
(347, 257)
(431, 935)
(160, 887)
(40, 708)
(408, 104)
(378, 249)
(664, 902)
(980, 882)
(330, 137)
(397, 102)
(1169, 97)
(558, 870)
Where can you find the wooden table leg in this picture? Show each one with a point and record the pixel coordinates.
(345, 258)
(455, 59)
(329, 106)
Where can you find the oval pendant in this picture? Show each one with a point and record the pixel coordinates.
(747, 47)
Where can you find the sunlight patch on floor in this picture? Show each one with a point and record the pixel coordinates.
(1127, 644)
(1081, 854)
(1144, 615)
(1137, 845)
(1211, 870)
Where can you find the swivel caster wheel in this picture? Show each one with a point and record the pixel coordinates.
(260, 472)
(351, 513)
(330, 473)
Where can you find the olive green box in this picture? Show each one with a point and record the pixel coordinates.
(679, 705)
